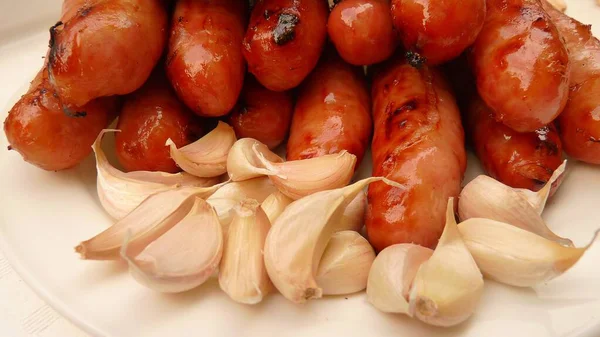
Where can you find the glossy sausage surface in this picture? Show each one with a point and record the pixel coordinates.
(284, 41)
(150, 116)
(45, 136)
(205, 62)
(438, 30)
(418, 142)
(262, 114)
(521, 65)
(105, 48)
(362, 31)
(579, 123)
(333, 112)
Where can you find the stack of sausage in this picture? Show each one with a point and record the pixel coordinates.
(525, 75)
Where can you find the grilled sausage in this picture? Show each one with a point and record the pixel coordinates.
(521, 65)
(332, 114)
(418, 142)
(205, 62)
(284, 41)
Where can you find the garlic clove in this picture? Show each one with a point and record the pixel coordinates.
(243, 163)
(353, 218)
(242, 273)
(538, 199)
(561, 5)
(182, 258)
(392, 274)
(151, 219)
(120, 192)
(514, 256)
(447, 287)
(274, 205)
(345, 264)
(225, 198)
(299, 236)
(485, 197)
(206, 157)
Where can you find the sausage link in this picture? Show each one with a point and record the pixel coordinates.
(418, 142)
(521, 65)
(333, 112)
(205, 62)
(262, 114)
(284, 41)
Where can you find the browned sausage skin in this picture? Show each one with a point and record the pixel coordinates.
(333, 112)
(284, 41)
(150, 116)
(418, 142)
(105, 48)
(362, 31)
(45, 136)
(521, 65)
(205, 62)
(438, 30)
(262, 114)
(579, 123)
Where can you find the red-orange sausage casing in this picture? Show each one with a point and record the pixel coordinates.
(205, 62)
(333, 112)
(418, 142)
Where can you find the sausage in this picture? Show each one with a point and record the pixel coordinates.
(362, 31)
(284, 41)
(521, 65)
(438, 30)
(262, 114)
(418, 142)
(205, 62)
(333, 112)
(579, 123)
(520, 160)
(37, 128)
(150, 116)
(104, 48)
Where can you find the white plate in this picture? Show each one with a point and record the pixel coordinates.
(44, 215)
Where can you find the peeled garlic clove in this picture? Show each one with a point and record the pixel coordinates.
(243, 163)
(151, 219)
(274, 205)
(242, 273)
(392, 274)
(538, 199)
(485, 197)
(448, 286)
(514, 256)
(225, 198)
(298, 238)
(300, 178)
(206, 157)
(182, 258)
(120, 192)
(344, 267)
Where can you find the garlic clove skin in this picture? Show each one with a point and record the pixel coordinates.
(447, 287)
(243, 163)
(514, 256)
(242, 273)
(538, 199)
(300, 178)
(120, 193)
(225, 198)
(206, 157)
(345, 264)
(485, 197)
(182, 258)
(392, 274)
(299, 236)
(151, 219)
(353, 218)
(274, 205)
